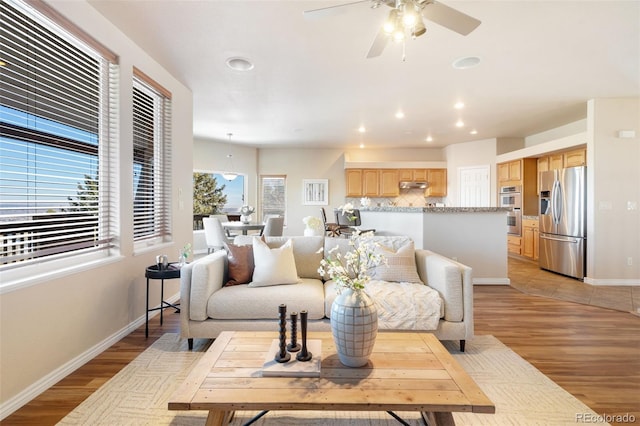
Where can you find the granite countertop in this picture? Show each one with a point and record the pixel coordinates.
(434, 209)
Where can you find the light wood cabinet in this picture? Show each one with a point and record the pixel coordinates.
(412, 175)
(556, 162)
(522, 172)
(370, 182)
(405, 175)
(575, 158)
(530, 238)
(512, 172)
(437, 179)
(388, 184)
(353, 178)
(513, 244)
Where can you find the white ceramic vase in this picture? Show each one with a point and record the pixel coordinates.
(311, 232)
(245, 218)
(354, 324)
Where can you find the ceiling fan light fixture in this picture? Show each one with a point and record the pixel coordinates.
(390, 24)
(418, 29)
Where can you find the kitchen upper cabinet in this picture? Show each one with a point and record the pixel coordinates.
(556, 162)
(437, 179)
(354, 182)
(388, 183)
(575, 158)
(370, 182)
(412, 175)
(510, 173)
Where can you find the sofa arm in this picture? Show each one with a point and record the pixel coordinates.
(198, 281)
(452, 280)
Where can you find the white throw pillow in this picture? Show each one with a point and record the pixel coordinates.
(401, 264)
(273, 266)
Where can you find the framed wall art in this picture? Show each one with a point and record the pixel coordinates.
(315, 192)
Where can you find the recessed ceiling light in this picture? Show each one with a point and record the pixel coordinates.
(458, 105)
(466, 62)
(238, 63)
(362, 129)
(399, 114)
(429, 139)
(361, 145)
(474, 132)
(459, 123)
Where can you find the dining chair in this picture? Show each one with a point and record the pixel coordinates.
(273, 227)
(330, 229)
(214, 234)
(350, 222)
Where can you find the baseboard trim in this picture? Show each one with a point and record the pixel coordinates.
(492, 281)
(611, 281)
(15, 403)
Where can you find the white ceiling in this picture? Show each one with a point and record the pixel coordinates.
(312, 86)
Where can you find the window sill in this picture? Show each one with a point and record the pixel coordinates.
(19, 278)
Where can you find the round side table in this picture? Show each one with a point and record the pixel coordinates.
(152, 272)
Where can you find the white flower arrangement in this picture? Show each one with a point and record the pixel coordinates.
(312, 222)
(347, 210)
(351, 270)
(247, 210)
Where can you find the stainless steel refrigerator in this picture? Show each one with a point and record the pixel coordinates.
(563, 225)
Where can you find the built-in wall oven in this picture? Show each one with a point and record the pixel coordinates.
(511, 196)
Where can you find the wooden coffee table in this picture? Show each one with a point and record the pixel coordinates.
(406, 372)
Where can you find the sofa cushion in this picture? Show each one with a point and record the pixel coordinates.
(240, 264)
(399, 264)
(273, 266)
(241, 302)
(400, 305)
(307, 251)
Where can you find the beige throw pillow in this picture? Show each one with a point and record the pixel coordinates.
(401, 264)
(273, 266)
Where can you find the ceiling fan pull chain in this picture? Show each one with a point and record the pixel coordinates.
(404, 56)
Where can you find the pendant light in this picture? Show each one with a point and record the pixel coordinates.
(229, 175)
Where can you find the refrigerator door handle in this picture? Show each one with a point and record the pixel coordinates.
(561, 239)
(556, 201)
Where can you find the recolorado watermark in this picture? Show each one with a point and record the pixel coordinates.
(605, 418)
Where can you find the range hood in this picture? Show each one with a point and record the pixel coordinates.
(412, 185)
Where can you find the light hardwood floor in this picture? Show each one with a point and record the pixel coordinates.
(592, 352)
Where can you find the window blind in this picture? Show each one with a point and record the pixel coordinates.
(273, 195)
(57, 103)
(151, 161)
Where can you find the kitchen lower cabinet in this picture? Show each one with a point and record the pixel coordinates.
(530, 238)
(514, 244)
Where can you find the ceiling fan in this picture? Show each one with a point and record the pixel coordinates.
(406, 16)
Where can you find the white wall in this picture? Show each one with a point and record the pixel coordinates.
(299, 164)
(613, 173)
(53, 324)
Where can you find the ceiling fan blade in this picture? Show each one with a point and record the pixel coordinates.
(328, 11)
(379, 43)
(450, 18)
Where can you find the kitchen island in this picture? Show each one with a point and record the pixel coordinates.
(475, 236)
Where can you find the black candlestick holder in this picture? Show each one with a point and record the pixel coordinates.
(294, 346)
(304, 354)
(282, 355)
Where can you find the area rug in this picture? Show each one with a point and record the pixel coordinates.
(138, 394)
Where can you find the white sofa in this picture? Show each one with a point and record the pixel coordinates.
(209, 307)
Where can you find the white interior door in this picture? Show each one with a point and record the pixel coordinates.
(473, 186)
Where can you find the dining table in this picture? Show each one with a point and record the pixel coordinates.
(237, 226)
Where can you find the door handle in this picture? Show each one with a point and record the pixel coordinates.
(562, 240)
